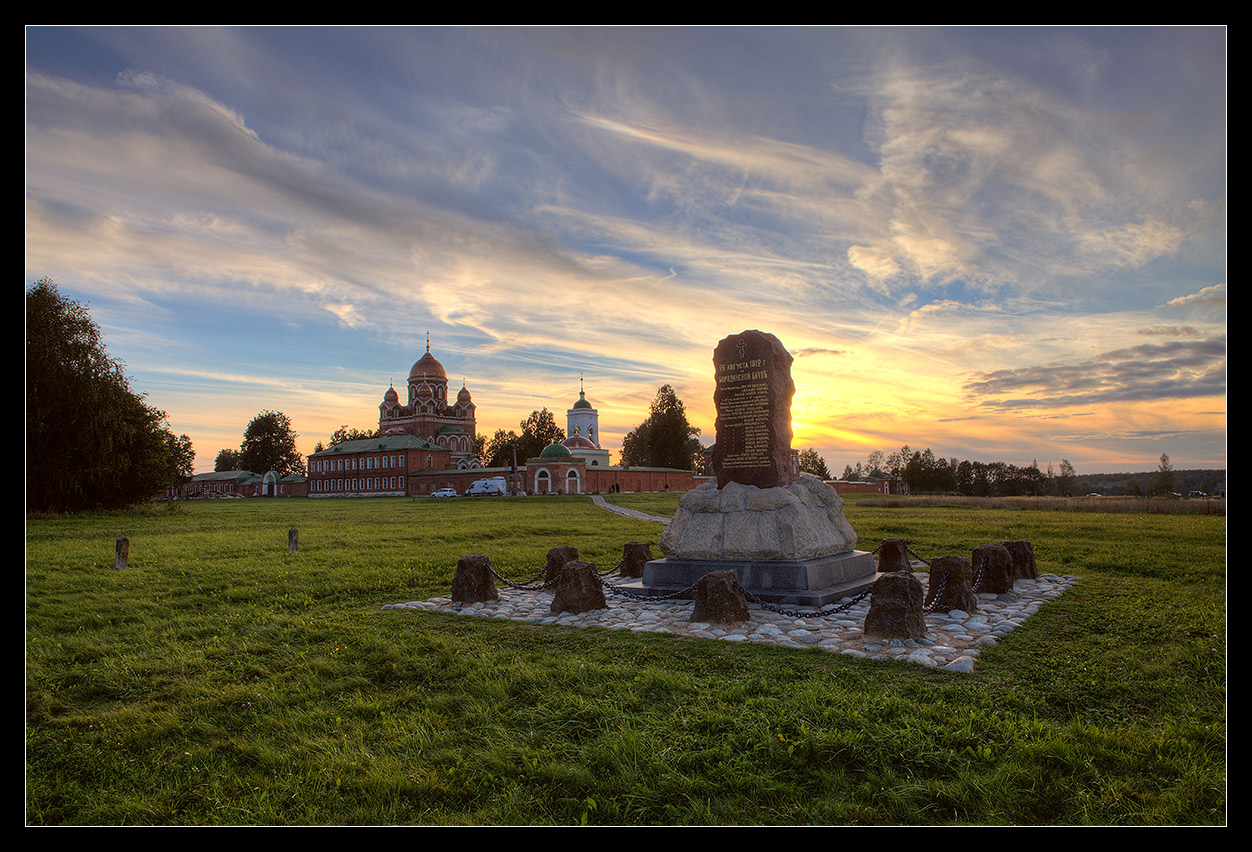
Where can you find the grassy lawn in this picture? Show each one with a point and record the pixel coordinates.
(222, 680)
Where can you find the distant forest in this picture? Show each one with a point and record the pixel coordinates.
(1211, 482)
(927, 473)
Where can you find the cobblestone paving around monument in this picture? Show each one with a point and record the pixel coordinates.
(953, 639)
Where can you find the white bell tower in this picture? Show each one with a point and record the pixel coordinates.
(582, 419)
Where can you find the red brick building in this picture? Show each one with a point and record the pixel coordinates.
(241, 483)
(375, 467)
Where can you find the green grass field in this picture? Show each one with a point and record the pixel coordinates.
(222, 680)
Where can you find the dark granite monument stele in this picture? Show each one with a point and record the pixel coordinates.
(785, 537)
(753, 398)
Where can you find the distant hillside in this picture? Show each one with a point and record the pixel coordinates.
(1118, 484)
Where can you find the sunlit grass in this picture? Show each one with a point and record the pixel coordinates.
(222, 680)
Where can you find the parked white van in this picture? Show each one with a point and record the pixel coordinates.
(494, 487)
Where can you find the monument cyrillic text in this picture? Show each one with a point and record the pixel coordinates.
(753, 395)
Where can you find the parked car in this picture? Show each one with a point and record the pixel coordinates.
(445, 492)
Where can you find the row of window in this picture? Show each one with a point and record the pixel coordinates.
(357, 463)
(457, 443)
(439, 389)
(370, 483)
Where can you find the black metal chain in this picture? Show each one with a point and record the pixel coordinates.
(617, 590)
(795, 613)
(943, 582)
(531, 586)
(525, 585)
(639, 596)
(982, 568)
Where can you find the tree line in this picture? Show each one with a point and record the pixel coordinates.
(1144, 483)
(91, 440)
(924, 472)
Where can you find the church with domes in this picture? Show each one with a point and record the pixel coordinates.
(429, 414)
(427, 444)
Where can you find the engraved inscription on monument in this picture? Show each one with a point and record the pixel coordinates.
(744, 410)
(753, 398)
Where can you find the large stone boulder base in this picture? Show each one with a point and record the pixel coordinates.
(719, 599)
(578, 589)
(800, 521)
(473, 581)
(895, 607)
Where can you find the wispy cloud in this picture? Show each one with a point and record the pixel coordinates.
(809, 352)
(932, 222)
(1213, 296)
(1175, 370)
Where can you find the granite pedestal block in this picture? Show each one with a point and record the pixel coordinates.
(812, 582)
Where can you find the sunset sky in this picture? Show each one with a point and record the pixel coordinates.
(1002, 244)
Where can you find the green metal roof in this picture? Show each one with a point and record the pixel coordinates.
(226, 476)
(373, 445)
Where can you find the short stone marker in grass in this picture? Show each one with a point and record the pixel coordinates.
(893, 555)
(578, 589)
(635, 555)
(895, 607)
(992, 565)
(1023, 559)
(474, 581)
(950, 585)
(557, 559)
(719, 599)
